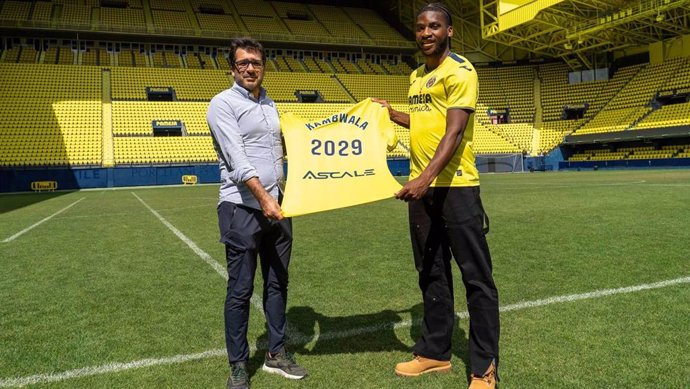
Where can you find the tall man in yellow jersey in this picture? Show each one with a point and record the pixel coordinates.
(446, 216)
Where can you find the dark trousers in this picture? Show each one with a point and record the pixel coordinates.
(451, 223)
(246, 233)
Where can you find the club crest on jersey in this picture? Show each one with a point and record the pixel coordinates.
(431, 82)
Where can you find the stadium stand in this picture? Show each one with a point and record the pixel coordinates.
(391, 88)
(169, 5)
(28, 55)
(283, 86)
(632, 153)
(556, 93)
(50, 55)
(345, 65)
(632, 102)
(69, 120)
(174, 20)
(293, 64)
(210, 22)
(15, 10)
(254, 8)
(551, 134)
(336, 21)
(123, 19)
(90, 57)
(372, 24)
(311, 65)
(397, 67)
(75, 15)
(134, 117)
(281, 64)
(189, 84)
(208, 62)
(488, 142)
(51, 115)
(222, 4)
(192, 60)
(667, 116)
(11, 55)
(173, 149)
(368, 67)
(262, 23)
(65, 56)
(42, 12)
(157, 59)
(518, 134)
(140, 58)
(509, 88)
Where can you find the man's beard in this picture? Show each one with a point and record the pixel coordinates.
(440, 48)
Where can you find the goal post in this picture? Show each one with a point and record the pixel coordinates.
(500, 163)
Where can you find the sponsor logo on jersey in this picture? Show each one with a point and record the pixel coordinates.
(422, 98)
(420, 102)
(340, 118)
(311, 175)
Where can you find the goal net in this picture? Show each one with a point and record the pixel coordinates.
(500, 163)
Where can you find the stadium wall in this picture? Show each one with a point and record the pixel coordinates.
(623, 164)
(554, 157)
(19, 180)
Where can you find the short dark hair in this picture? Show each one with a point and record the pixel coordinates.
(247, 44)
(437, 7)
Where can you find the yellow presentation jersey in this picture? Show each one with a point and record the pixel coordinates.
(338, 161)
(453, 84)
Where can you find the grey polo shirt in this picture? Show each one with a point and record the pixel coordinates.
(246, 136)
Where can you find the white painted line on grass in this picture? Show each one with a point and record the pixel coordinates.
(516, 185)
(201, 253)
(678, 185)
(27, 229)
(117, 367)
(594, 294)
(105, 369)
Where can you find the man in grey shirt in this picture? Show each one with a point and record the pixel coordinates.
(246, 135)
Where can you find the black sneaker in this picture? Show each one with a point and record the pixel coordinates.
(283, 363)
(238, 377)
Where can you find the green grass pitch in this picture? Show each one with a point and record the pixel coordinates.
(105, 282)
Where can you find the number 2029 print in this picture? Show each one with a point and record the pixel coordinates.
(342, 148)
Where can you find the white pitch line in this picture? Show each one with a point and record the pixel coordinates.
(117, 367)
(594, 294)
(27, 229)
(201, 253)
(516, 185)
(109, 368)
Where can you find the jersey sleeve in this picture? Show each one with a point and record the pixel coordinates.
(462, 88)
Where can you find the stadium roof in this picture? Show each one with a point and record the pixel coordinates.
(573, 30)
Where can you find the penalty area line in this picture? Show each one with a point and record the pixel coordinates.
(197, 250)
(31, 227)
(256, 300)
(118, 367)
(108, 368)
(585, 296)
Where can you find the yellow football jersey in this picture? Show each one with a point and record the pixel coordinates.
(453, 84)
(338, 161)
